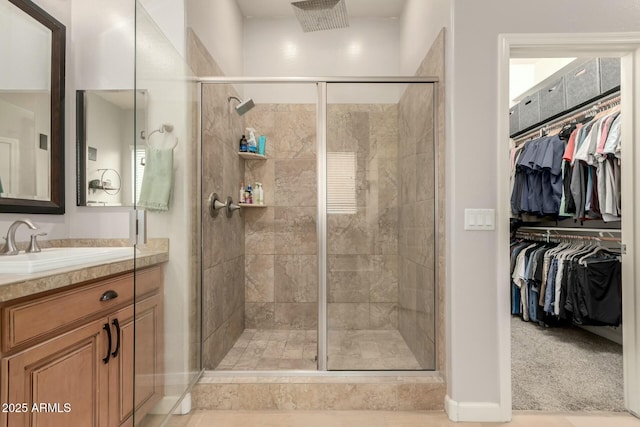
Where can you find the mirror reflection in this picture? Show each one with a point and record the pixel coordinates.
(25, 106)
(110, 146)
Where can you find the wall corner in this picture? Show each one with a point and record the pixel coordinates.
(474, 411)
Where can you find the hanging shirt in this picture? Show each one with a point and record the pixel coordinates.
(612, 144)
(571, 144)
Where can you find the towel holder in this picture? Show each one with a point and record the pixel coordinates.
(165, 127)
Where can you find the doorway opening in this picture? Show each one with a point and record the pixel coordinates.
(518, 336)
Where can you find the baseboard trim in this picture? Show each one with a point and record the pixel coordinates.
(473, 411)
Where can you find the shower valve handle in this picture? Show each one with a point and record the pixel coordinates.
(215, 204)
(231, 207)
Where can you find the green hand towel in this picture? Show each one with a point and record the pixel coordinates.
(157, 181)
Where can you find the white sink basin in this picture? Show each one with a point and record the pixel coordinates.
(53, 258)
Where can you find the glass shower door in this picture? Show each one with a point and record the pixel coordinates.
(164, 326)
(380, 217)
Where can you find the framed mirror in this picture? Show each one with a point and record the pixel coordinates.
(32, 48)
(107, 124)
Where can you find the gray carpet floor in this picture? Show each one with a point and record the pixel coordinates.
(564, 369)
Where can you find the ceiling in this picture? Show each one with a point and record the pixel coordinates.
(355, 8)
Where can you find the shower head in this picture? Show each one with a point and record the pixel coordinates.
(318, 15)
(244, 106)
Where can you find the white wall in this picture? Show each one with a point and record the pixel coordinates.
(29, 68)
(472, 163)
(525, 73)
(103, 44)
(102, 57)
(170, 17)
(162, 71)
(421, 22)
(55, 225)
(127, 129)
(16, 111)
(219, 25)
(103, 121)
(279, 47)
(80, 222)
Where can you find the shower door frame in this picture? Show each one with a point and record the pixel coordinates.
(321, 222)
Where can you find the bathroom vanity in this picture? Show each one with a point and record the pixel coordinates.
(67, 354)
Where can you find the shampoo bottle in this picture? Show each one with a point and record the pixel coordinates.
(259, 194)
(252, 144)
(248, 197)
(241, 192)
(243, 144)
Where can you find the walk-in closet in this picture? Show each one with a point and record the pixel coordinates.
(565, 277)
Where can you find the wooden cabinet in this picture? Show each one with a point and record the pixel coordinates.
(81, 372)
(64, 370)
(142, 351)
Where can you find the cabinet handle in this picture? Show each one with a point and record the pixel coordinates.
(109, 295)
(108, 329)
(117, 325)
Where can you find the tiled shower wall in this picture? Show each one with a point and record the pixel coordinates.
(362, 247)
(416, 220)
(281, 286)
(281, 245)
(223, 238)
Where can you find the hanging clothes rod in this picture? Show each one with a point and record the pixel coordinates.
(588, 110)
(547, 237)
(568, 229)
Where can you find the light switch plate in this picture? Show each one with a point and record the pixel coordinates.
(480, 219)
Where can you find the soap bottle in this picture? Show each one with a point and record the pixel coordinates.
(242, 192)
(248, 197)
(259, 194)
(243, 144)
(252, 145)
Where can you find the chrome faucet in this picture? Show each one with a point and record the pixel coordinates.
(9, 247)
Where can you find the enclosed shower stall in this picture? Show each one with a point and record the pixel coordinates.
(336, 271)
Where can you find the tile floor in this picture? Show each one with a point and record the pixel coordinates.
(272, 349)
(390, 419)
(267, 349)
(370, 350)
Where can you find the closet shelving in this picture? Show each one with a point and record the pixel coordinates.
(582, 229)
(589, 110)
(569, 89)
(583, 114)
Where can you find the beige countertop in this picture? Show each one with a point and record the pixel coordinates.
(14, 286)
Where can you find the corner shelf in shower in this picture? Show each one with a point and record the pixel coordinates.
(251, 205)
(251, 156)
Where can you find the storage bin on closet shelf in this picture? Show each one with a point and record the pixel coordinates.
(579, 82)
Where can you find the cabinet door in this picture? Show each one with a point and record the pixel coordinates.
(121, 368)
(144, 352)
(63, 381)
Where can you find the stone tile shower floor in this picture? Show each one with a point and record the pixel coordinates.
(266, 349)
